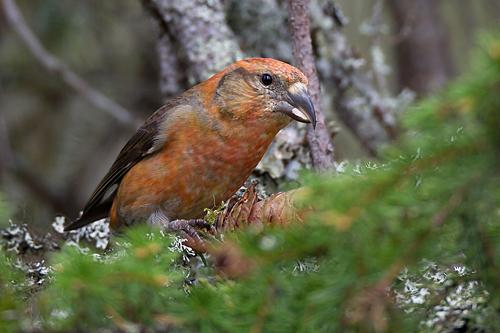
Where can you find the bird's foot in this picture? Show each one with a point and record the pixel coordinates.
(189, 228)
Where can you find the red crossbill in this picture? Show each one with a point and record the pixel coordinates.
(200, 147)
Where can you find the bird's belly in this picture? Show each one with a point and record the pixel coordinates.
(183, 179)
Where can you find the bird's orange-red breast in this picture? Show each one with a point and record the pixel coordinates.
(200, 147)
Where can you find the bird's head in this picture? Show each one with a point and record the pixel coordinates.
(263, 89)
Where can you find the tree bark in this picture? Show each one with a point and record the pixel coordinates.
(200, 31)
(423, 56)
(172, 81)
(319, 139)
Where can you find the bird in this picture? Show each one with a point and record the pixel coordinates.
(200, 147)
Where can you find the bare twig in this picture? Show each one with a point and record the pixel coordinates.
(54, 65)
(319, 140)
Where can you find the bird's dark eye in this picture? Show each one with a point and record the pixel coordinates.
(266, 79)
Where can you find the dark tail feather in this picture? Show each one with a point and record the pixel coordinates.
(96, 213)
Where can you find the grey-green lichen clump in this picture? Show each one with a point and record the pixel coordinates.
(201, 31)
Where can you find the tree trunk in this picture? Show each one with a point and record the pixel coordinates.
(423, 56)
(205, 42)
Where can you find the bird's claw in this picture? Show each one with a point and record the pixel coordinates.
(191, 229)
(177, 225)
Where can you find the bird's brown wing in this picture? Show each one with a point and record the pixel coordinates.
(145, 142)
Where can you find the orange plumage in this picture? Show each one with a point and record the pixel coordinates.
(200, 147)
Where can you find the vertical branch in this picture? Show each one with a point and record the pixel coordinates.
(319, 140)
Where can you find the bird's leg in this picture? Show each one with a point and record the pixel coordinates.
(189, 224)
(188, 227)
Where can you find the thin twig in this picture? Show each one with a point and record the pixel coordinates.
(319, 140)
(54, 65)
